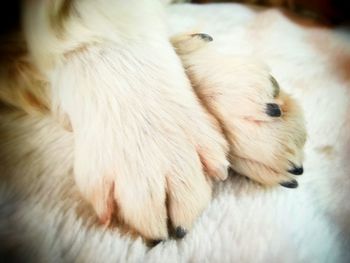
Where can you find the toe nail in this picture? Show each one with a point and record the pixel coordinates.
(204, 36)
(230, 170)
(180, 232)
(273, 110)
(276, 87)
(155, 242)
(296, 170)
(290, 184)
(224, 172)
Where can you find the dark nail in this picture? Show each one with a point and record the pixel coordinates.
(276, 86)
(203, 36)
(296, 170)
(180, 232)
(290, 184)
(273, 110)
(230, 170)
(155, 242)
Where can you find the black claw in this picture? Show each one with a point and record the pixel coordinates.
(296, 170)
(180, 232)
(276, 87)
(273, 110)
(155, 242)
(290, 184)
(230, 170)
(205, 37)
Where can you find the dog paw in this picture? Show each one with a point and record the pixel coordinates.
(269, 151)
(263, 125)
(145, 149)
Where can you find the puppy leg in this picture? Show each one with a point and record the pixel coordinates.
(140, 134)
(263, 125)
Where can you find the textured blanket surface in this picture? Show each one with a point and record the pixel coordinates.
(43, 218)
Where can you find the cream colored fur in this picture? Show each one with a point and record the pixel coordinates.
(46, 217)
(141, 136)
(135, 141)
(237, 90)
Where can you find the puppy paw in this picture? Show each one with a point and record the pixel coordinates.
(269, 151)
(145, 149)
(263, 125)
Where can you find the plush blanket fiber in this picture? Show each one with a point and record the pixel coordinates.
(43, 218)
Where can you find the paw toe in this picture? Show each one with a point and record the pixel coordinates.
(189, 192)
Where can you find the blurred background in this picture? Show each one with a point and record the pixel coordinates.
(330, 12)
(327, 11)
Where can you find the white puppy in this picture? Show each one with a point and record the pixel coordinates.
(145, 146)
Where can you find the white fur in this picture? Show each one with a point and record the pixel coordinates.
(131, 116)
(237, 91)
(244, 223)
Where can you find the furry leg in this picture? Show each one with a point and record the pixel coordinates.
(263, 125)
(139, 132)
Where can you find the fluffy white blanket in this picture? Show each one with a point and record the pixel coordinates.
(43, 218)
